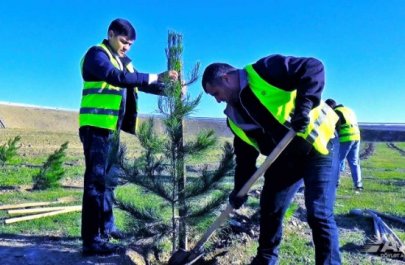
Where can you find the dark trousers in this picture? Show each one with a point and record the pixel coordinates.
(98, 195)
(319, 174)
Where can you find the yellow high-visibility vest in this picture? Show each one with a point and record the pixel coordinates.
(349, 131)
(280, 104)
(101, 101)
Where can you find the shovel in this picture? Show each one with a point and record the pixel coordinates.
(183, 257)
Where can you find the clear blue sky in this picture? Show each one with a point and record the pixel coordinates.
(361, 43)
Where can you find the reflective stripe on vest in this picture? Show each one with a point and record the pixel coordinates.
(242, 135)
(349, 131)
(281, 103)
(101, 101)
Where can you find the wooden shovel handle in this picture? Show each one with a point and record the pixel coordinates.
(244, 190)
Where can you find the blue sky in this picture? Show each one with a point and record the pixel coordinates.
(360, 42)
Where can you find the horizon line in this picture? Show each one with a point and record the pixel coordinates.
(145, 114)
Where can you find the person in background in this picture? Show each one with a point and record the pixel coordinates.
(264, 101)
(108, 105)
(349, 138)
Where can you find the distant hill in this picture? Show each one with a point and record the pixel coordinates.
(37, 118)
(58, 120)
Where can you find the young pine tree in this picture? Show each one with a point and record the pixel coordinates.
(52, 170)
(161, 167)
(9, 150)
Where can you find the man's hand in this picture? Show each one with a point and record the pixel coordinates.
(235, 201)
(183, 89)
(172, 75)
(299, 122)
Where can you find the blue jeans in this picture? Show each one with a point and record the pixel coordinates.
(98, 194)
(350, 151)
(319, 174)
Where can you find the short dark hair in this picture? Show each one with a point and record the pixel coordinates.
(123, 27)
(331, 103)
(214, 71)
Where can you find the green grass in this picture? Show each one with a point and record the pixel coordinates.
(390, 174)
(387, 158)
(15, 197)
(62, 225)
(292, 250)
(400, 145)
(13, 176)
(384, 182)
(143, 201)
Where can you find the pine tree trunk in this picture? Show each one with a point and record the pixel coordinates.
(174, 195)
(182, 200)
(175, 63)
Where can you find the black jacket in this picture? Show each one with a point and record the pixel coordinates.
(97, 67)
(306, 76)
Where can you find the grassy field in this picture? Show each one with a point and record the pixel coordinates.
(384, 181)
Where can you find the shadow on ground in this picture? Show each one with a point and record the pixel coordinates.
(40, 250)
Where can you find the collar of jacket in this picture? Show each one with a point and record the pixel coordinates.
(124, 60)
(338, 106)
(243, 81)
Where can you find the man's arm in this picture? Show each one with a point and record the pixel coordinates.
(305, 75)
(97, 67)
(156, 89)
(341, 120)
(245, 158)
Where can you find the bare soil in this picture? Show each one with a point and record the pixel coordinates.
(44, 250)
(32, 250)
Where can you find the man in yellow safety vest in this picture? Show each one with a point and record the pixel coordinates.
(264, 101)
(108, 105)
(349, 138)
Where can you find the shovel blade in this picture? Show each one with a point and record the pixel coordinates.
(182, 257)
(179, 257)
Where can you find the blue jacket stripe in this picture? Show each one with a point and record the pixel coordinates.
(98, 111)
(90, 91)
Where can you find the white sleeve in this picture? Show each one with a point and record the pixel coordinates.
(153, 78)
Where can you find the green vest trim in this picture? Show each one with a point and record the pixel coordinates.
(241, 134)
(101, 101)
(281, 105)
(278, 102)
(349, 131)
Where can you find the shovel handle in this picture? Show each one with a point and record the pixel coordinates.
(267, 163)
(244, 190)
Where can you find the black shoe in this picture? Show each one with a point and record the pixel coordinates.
(101, 248)
(116, 234)
(256, 261)
(358, 189)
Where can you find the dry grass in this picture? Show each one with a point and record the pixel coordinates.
(41, 119)
(54, 120)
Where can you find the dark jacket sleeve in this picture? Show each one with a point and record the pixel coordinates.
(156, 89)
(245, 158)
(306, 75)
(97, 67)
(341, 120)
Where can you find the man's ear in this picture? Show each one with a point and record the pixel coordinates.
(110, 34)
(225, 78)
